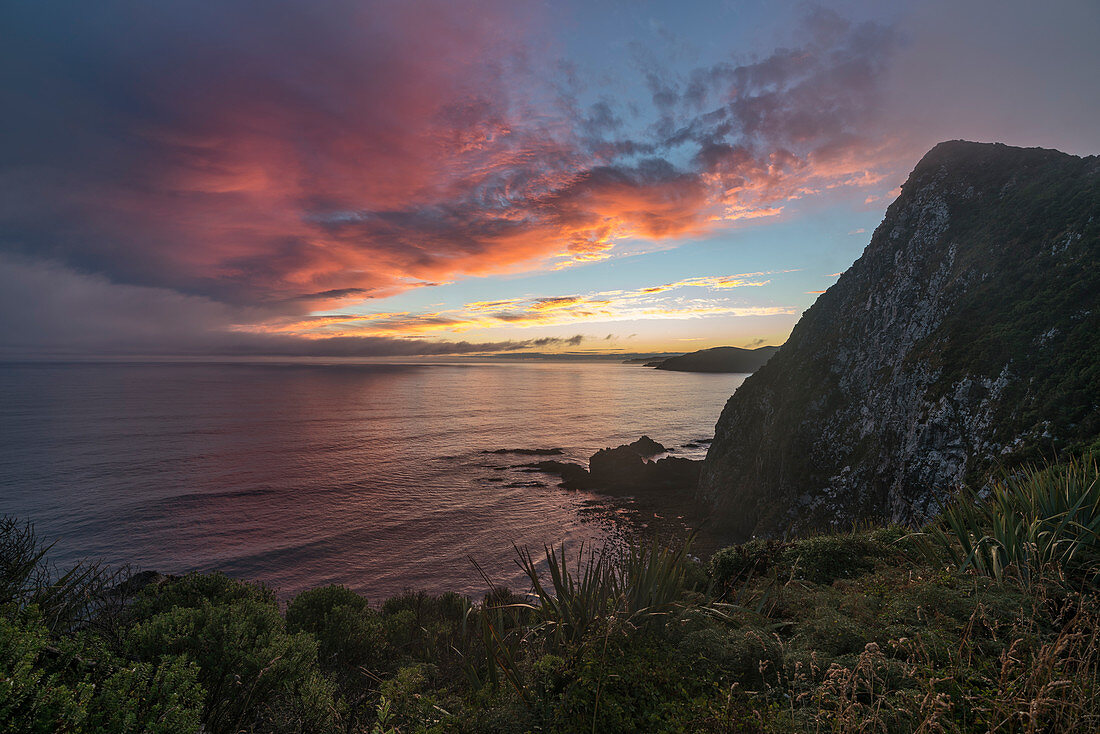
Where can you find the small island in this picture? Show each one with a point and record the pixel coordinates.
(717, 359)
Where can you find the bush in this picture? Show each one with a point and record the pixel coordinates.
(71, 687)
(823, 559)
(256, 675)
(739, 563)
(350, 635)
(739, 654)
(196, 590)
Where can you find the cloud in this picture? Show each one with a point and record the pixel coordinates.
(300, 156)
(64, 313)
(1010, 71)
(650, 302)
(182, 169)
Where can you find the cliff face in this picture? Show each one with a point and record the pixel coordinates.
(965, 337)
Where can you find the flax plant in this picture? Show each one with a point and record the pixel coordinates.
(641, 585)
(1036, 522)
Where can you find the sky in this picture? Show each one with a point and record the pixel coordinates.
(340, 178)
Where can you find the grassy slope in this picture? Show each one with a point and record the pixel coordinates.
(843, 632)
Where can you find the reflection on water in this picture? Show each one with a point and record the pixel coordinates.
(372, 476)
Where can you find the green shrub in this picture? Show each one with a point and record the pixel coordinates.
(197, 590)
(33, 698)
(632, 684)
(823, 559)
(257, 676)
(72, 687)
(411, 704)
(140, 698)
(740, 654)
(740, 563)
(351, 636)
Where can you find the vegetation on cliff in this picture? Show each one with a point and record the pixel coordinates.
(878, 629)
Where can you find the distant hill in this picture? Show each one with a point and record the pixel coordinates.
(652, 360)
(966, 338)
(719, 359)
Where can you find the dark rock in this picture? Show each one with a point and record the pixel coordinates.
(618, 467)
(646, 446)
(623, 469)
(573, 476)
(674, 472)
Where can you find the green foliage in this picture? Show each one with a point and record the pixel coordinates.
(626, 684)
(847, 632)
(196, 590)
(1034, 522)
(739, 563)
(821, 559)
(47, 687)
(256, 675)
(736, 653)
(824, 558)
(32, 697)
(148, 698)
(349, 633)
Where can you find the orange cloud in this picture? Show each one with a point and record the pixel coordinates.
(605, 306)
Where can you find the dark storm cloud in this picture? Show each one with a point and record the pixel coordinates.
(53, 311)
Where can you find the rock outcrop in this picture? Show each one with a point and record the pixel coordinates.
(965, 338)
(625, 468)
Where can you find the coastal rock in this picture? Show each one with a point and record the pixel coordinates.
(624, 469)
(674, 472)
(964, 339)
(573, 476)
(646, 446)
(617, 468)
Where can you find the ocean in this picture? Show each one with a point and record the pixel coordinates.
(374, 476)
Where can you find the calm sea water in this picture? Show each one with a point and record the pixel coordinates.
(372, 476)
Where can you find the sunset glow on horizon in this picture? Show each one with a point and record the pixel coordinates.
(401, 178)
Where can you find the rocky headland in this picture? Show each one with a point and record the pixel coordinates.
(963, 341)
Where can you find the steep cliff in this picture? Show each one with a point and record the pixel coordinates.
(966, 336)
